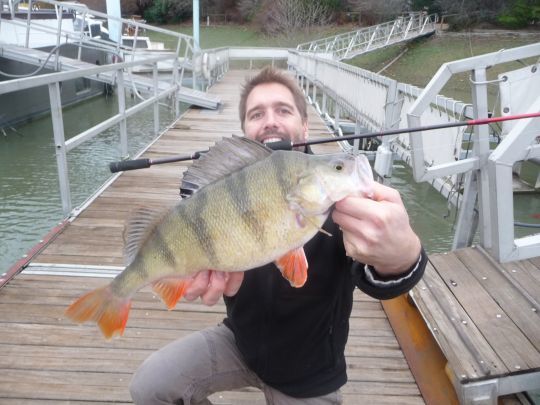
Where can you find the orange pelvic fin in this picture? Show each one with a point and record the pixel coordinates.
(109, 311)
(171, 290)
(293, 267)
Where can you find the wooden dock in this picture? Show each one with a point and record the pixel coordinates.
(46, 359)
(486, 318)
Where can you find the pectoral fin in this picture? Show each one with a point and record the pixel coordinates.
(293, 267)
(170, 289)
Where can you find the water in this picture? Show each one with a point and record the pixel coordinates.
(30, 203)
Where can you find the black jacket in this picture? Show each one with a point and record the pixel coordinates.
(294, 338)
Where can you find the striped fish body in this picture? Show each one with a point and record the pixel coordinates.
(240, 222)
(245, 219)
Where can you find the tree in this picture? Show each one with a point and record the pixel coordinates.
(375, 11)
(520, 14)
(248, 9)
(164, 11)
(467, 12)
(287, 17)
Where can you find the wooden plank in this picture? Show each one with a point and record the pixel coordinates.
(499, 331)
(508, 297)
(469, 354)
(527, 276)
(355, 399)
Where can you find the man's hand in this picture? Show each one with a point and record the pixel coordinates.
(210, 285)
(377, 231)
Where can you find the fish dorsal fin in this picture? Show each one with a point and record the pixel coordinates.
(142, 222)
(225, 157)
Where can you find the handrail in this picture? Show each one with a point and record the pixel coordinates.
(489, 172)
(184, 43)
(391, 104)
(62, 146)
(351, 44)
(214, 62)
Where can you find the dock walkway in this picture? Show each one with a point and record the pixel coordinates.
(46, 359)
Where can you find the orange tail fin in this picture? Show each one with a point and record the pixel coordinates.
(170, 290)
(103, 307)
(293, 267)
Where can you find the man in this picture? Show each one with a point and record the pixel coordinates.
(288, 342)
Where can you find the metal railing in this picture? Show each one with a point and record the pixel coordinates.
(354, 43)
(62, 147)
(484, 173)
(214, 63)
(376, 102)
(119, 74)
(76, 34)
(488, 173)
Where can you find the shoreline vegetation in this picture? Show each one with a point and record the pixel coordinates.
(416, 66)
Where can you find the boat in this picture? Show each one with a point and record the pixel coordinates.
(33, 54)
(34, 41)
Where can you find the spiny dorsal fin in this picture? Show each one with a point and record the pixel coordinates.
(225, 157)
(139, 226)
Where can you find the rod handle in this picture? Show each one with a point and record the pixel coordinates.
(121, 166)
(280, 145)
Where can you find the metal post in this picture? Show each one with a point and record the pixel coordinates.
(121, 110)
(60, 146)
(194, 71)
(156, 100)
(196, 24)
(357, 131)
(482, 150)
(467, 221)
(181, 80)
(81, 35)
(58, 35)
(175, 82)
(337, 111)
(28, 20)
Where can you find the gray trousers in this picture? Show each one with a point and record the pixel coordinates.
(190, 369)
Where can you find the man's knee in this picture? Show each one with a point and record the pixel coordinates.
(142, 388)
(150, 385)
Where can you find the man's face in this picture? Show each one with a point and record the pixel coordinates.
(271, 115)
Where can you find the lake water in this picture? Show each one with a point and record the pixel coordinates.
(30, 203)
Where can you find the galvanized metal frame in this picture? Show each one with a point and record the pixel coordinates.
(347, 86)
(63, 34)
(351, 44)
(486, 392)
(490, 181)
(62, 146)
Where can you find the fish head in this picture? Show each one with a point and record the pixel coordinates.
(330, 178)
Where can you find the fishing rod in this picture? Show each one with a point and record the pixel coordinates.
(288, 145)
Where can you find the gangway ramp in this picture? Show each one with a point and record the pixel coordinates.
(143, 84)
(355, 43)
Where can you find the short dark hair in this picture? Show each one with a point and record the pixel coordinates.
(272, 75)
